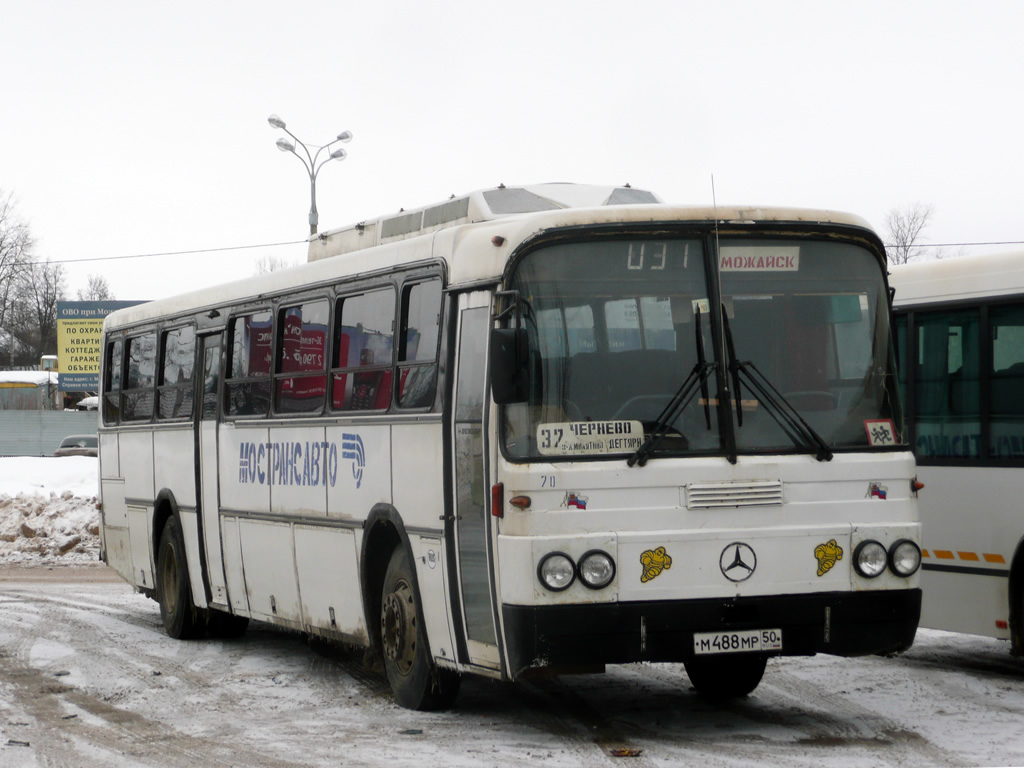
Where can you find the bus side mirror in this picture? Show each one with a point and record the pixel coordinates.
(509, 370)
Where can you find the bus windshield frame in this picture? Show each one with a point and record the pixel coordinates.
(695, 345)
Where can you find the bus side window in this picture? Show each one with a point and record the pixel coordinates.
(178, 352)
(141, 376)
(363, 358)
(1007, 425)
(112, 375)
(417, 362)
(248, 379)
(301, 379)
(211, 377)
(947, 389)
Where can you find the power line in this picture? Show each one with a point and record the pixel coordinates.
(957, 245)
(301, 242)
(174, 253)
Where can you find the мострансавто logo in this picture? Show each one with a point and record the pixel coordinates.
(352, 448)
(299, 463)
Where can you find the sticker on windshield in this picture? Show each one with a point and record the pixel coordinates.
(880, 432)
(760, 258)
(589, 438)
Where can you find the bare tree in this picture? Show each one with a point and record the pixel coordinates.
(905, 226)
(15, 247)
(267, 264)
(98, 289)
(32, 317)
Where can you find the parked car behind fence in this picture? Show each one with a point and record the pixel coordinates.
(77, 445)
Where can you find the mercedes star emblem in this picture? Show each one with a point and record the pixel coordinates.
(738, 561)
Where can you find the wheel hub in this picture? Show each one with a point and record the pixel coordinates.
(392, 623)
(169, 582)
(398, 628)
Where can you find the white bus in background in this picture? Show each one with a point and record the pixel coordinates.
(530, 428)
(960, 327)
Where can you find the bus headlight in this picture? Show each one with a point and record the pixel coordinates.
(870, 559)
(596, 569)
(904, 558)
(556, 571)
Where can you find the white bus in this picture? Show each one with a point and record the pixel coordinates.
(960, 329)
(530, 428)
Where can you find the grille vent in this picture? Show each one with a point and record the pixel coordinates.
(716, 495)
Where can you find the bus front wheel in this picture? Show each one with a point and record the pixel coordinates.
(720, 678)
(180, 617)
(415, 681)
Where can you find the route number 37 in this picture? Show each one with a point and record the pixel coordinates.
(650, 256)
(551, 438)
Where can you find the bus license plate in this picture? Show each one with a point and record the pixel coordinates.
(747, 641)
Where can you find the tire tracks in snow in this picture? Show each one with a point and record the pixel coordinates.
(66, 724)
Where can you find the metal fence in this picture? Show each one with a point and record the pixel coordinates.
(38, 433)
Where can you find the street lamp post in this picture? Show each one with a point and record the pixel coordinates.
(311, 162)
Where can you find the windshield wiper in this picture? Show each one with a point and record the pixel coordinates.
(786, 416)
(698, 377)
(734, 369)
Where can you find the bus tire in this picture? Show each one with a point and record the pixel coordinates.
(414, 679)
(180, 617)
(1016, 605)
(720, 678)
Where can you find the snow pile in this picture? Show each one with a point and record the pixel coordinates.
(48, 510)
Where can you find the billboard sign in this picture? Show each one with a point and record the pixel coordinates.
(79, 334)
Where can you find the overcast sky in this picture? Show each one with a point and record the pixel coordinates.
(141, 128)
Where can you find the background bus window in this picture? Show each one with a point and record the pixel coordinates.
(364, 352)
(644, 323)
(622, 321)
(565, 330)
(248, 380)
(947, 390)
(417, 368)
(1007, 433)
(141, 376)
(176, 389)
(301, 382)
(112, 376)
(900, 331)
(849, 315)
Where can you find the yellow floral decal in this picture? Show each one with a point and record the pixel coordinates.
(827, 555)
(654, 562)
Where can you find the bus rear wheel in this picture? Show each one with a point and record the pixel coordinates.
(173, 592)
(720, 678)
(414, 679)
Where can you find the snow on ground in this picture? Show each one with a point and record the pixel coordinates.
(951, 700)
(48, 509)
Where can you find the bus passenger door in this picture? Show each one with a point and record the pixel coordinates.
(472, 523)
(209, 497)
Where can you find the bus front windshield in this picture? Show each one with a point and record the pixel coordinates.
(628, 351)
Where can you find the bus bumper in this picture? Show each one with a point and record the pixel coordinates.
(842, 624)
